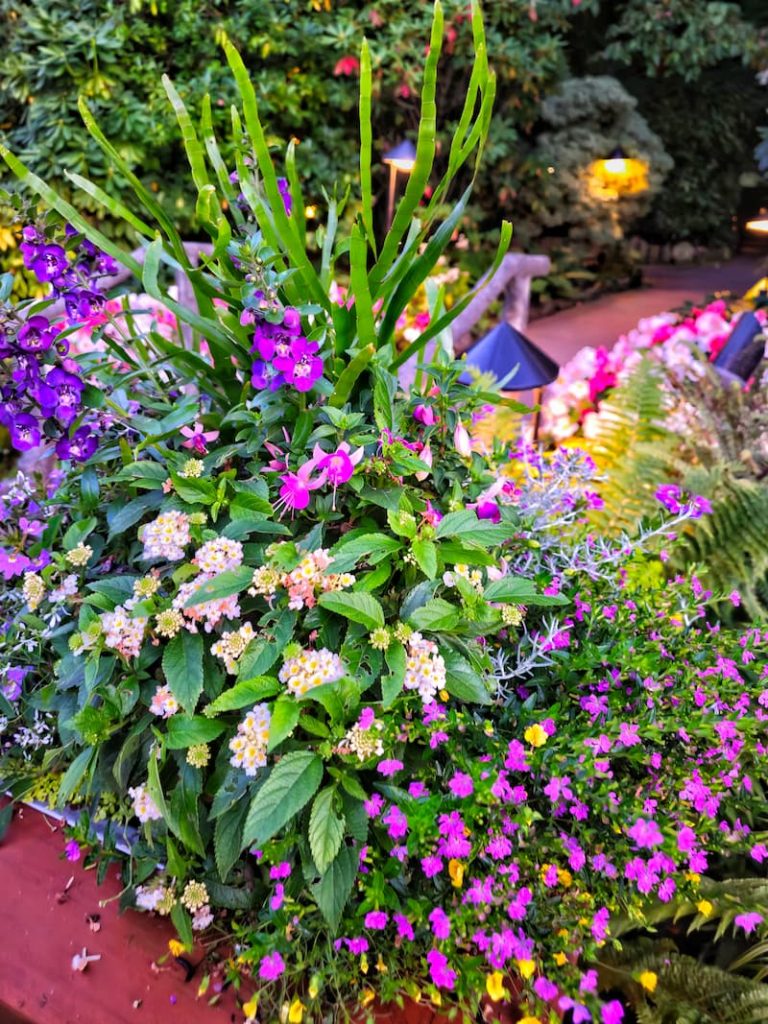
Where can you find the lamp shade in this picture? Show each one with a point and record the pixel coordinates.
(744, 349)
(402, 156)
(505, 348)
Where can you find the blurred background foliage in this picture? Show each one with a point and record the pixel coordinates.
(685, 95)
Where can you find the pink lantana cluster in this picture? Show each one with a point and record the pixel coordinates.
(304, 583)
(167, 536)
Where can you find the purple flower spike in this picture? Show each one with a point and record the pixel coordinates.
(302, 368)
(36, 335)
(78, 448)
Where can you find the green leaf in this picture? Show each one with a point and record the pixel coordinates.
(227, 838)
(6, 815)
(183, 668)
(290, 786)
(436, 615)
(285, 716)
(245, 504)
(193, 491)
(392, 685)
(518, 590)
(372, 547)
(335, 887)
(366, 140)
(362, 608)
(425, 553)
(349, 376)
(326, 829)
(465, 526)
(243, 694)
(78, 533)
(74, 775)
(186, 732)
(462, 681)
(454, 553)
(182, 922)
(233, 581)
(121, 517)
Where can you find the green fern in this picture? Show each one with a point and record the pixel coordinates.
(723, 457)
(686, 992)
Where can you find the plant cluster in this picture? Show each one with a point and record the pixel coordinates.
(380, 706)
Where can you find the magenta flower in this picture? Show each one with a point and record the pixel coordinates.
(278, 898)
(488, 510)
(613, 1012)
(376, 920)
(439, 971)
(404, 927)
(72, 850)
(396, 822)
(441, 925)
(300, 366)
(748, 922)
(431, 866)
(339, 465)
(425, 415)
(197, 438)
(281, 870)
(461, 785)
(295, 492)
(271, 967)
(646, 834)
(390, 767)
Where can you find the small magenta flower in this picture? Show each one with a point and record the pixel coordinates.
(439, 971)
(300, 366)
(72, 850)
(390, 767)
(296, 487)
(376, 920)
(748, 922)
(198, 438)
(461, 785)
(425, 415)
(488, 510)
(271, 966)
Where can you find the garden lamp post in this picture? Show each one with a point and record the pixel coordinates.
(613, 177)
(401, 157)
(510, 356)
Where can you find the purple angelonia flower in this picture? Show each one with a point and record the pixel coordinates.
(285, 192)
(78, 448)
(36, 335)
(47, 262)
(25, 432)
(301, 366)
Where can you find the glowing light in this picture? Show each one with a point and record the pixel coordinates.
(616, 176)
(758, 226)
(310, 212)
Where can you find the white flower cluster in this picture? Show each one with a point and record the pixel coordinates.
(232, 645)
(249, 746)
(424, 668)
(167, 536)
(144, 807)
(122, 632)
(218, 555)
(308, 669)
(164, 704)
(210, 613)
(366, 743)
(473, 576)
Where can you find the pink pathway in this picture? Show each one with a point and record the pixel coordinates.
(602, 321)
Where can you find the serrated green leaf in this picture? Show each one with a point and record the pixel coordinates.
(290, 786)
(227, 838)
(335, 887)
(436, 615)
(519, 590)
(243, 694)
(462, 681)
(285, 716)
(233, 581)
(425, 553)
(362, 608)
(326, 829)
(186, 732)
(183, 668)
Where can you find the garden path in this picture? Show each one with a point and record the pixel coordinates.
(601, 322)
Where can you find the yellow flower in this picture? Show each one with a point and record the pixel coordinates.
(494, 986)
(315, 985)
(535, 735)
(705, 907)
(692, 877)
(436, 999)
(560, 959)
(648, 980)
(176, 947)
(564, 877)
(367, 997)
(381, 967)
(445, 696)
(250, 1008)
(296, 1012)
(364, 963)
(530, 1020)
(456, 871)
(526, 967)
